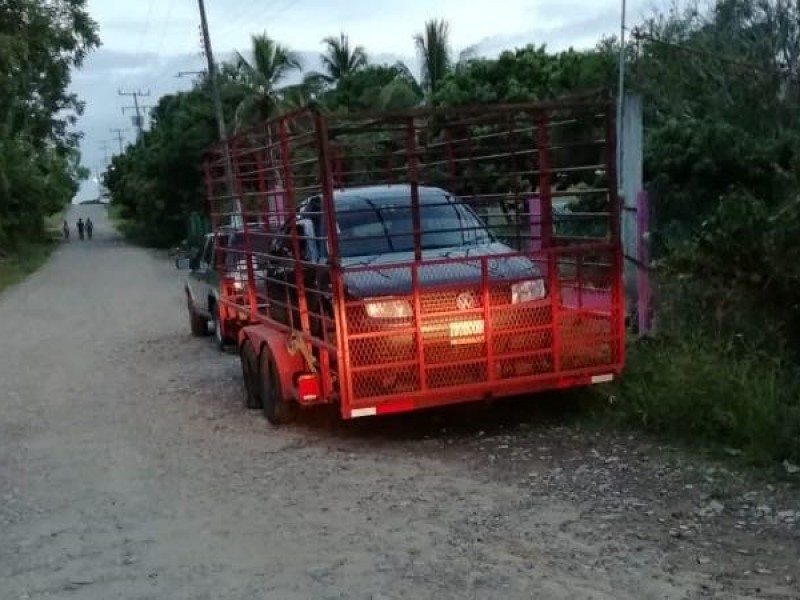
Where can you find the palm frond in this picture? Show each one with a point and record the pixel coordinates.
(339, 60)
(271, 62)
(434, 52)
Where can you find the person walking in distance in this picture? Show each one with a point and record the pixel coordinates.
(89, 227)
(80, 226)
(66, 230)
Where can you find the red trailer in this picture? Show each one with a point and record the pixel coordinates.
(405, 260)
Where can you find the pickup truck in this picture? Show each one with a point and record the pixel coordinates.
(211, 267)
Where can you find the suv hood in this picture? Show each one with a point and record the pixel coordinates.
(390, 274)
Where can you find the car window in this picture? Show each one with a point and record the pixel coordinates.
(208, 251)
(386, 227)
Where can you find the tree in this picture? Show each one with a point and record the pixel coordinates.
(40, 43)
(527, 74)
(434, 52)
(339, 60)
(158, 182)
(271, 64)
(375, 87)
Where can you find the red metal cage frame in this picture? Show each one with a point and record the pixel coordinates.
(508, 163)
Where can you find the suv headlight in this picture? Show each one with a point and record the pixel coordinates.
(388, 309)
(526, 291)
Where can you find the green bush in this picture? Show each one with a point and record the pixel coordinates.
(722, 376)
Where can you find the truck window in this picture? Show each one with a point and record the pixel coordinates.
(208, 251)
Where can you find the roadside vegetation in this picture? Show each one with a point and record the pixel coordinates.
(40, 42)
(28, 256)
(721, 88)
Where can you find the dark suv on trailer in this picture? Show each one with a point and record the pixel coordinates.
(376, 247)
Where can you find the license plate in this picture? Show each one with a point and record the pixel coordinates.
(466, 332)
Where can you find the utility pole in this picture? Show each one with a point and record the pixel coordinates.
(136, 95)
(119, 133)
(212, 79)
(104, 148)
(138, 110)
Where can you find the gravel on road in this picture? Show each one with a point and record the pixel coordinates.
(130, 469)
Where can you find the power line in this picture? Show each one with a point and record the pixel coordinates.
(142, 36)
(164, 29)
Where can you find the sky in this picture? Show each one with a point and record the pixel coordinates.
(146, 43)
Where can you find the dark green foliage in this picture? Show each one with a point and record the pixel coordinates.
(158, 181)
(720, 372)
(374, 87)
(722, 136)
(528, 74)
(39, 162)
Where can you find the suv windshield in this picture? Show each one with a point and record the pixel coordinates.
(386, 226)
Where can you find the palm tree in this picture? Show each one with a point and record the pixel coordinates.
(338, 60)
(271, 64)
(404, 91)
(434, 52)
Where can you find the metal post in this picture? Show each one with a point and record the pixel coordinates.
(643, 272)
(621, 95)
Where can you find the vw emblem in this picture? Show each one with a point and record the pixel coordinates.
(466, 301)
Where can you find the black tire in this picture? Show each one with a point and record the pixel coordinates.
(277, 409)
(251, 376)
(197, 323)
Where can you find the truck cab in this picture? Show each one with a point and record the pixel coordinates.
(215, 273)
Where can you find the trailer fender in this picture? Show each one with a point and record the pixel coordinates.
(262, 338)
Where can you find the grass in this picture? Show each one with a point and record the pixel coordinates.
(127, 227)
(27, 257)
(731, 390)
(115, 215)
(140, 233)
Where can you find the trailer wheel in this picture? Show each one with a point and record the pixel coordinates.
(197, 323)
(277, 408)
(251, 376)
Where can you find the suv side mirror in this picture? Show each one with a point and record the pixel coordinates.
(183, 263)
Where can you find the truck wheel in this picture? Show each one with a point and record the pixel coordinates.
(197, 323)
(277, 408)
(251, 376)
(220, 338)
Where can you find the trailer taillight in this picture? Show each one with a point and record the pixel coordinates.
(307, 388)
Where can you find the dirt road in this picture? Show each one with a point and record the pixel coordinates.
(129, 469)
